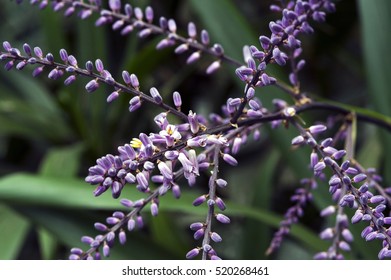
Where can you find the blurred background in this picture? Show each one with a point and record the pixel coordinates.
(50, 134)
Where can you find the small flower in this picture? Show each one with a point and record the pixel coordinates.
(315, 129)
(192, 253)
(199, 200)
(215, 237)
(222, 218)
(92, 86)
(230, 159)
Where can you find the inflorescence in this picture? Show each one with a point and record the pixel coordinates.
(191, 144)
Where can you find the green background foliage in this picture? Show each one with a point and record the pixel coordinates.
(51, 134)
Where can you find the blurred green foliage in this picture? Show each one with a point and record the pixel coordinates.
(51, 134)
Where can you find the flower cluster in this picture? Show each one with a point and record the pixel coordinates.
(188, 145)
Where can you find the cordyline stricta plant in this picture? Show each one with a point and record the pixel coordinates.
(187, 145)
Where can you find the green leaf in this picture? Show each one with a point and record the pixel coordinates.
(261, 196)
(29, 190)
(62, 162)
(47, 243)
(14, 229)
(69, 226)
(375, 19)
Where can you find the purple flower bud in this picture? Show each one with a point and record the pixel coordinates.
(92, 86)
(127, 203)
(21, 65)
(49, 57)
(357, 217)
(99, 65)
(196, 226)
(329, 210)
(142, 181)
(154, 209)
(377, 199)
(38, 52)
(192, 253)
(100, 226)
(334, 181)
(72, 61)
(139, 221)
(156, 95)
(199, 200)
(218, 49)
(345, 165)
(165, 170)
(297, 140)
(127, 30)
(193, 57)
(199, 233)
(319, 166)
(191, 30)
(367, 217)
(213, 67)
(220, 203)
(149, 165)
(149, 14)
(221, 183)
(134, 81)
(254, 105)
(370, 236)
(300, 65)
(380, 208)
(114, 95)
(177, 99)
(193, 121)
(172, 25)
(76, 251)
(138, 13)
(230, 160)
(87, 239)
(176, 191)
(265, 42)
(339, 154)
(131, 224)
(321, 256)
(314, 129)
(181, 48)
(223, 218)
(70, 80)
(351, 171)
(7, 46)
(327, 234)
(69, 11)
(126, 77)
(134, 103)
(344, 246)
(359, 178)
(53, 74)
(347, 235)
(205, 37)
(122, 237)
(216, 237)
(37, 71)
(366, 231)
(275, 28)
(250, 93)
(145, 32)
(128, 10)
(279, 56)
(115, 5)
(116, 189)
